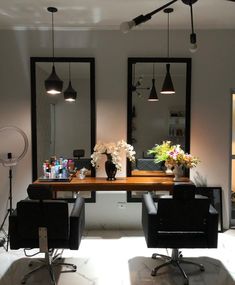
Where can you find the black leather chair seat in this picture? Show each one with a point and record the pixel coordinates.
(179, 221)
(61, 229)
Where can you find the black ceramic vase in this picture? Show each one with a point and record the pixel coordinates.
(110, 168)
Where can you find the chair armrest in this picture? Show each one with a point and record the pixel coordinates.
(212, 210)
(212, 229)
(77, 223)
(149, 205)
(13, 230)
(77, 207)
(149, 213)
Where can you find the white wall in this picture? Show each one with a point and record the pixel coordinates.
(212, 77)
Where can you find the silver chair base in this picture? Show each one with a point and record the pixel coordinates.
(51, 260)
(176, 259)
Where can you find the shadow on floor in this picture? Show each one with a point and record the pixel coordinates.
(16, 270)
(215, 273)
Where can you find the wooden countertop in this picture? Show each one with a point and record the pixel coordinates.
(149, 173)
(136, 183)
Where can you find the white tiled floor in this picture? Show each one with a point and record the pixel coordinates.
(122, 258)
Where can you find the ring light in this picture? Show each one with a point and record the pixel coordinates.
(11, 161)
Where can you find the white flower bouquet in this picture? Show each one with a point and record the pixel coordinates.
(114, 151)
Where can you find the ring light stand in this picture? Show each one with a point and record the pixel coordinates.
(10, 162)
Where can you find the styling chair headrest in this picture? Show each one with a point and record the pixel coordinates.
(184, 191)
(79, 153)
(39, 192)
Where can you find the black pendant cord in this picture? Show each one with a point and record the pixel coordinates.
(168, 36)
(168, 11)
(153, 71)
(191, 12)
(69, 72)
(53, 47)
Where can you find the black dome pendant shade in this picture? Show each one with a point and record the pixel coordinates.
(53, 83)
(168, 87)
(153, 93)
(70, 94)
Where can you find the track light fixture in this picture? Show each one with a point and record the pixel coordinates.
(53, 83)
(126, 26)
(153, 93)
(168, 87)
(70, 94)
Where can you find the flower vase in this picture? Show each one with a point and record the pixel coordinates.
(110, 168)
(178, 172)
(168, 168)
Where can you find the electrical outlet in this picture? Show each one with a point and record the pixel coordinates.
(121, 205)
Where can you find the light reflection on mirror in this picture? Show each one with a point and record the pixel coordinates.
(150, 123)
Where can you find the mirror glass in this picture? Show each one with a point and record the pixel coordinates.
(60, 127)
(152, 122)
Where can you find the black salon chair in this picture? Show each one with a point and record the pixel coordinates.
(184, 220)
(40, 222)
(79, 160)
(78, 153)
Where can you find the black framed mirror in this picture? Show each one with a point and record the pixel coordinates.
(59, 127)
(150, 123)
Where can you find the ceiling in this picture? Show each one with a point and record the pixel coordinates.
(109, 14)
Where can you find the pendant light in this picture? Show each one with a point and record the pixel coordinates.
(70, 94)
(53, 83)
(153, 93)
(193, 36)
(168, 87)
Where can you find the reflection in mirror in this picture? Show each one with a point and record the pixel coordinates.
(59, 128)
(151, 122)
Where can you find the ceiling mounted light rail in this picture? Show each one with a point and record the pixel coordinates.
(126, 26)
(53, 83)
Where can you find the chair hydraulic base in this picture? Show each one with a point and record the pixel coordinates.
(51, 260)
(175, 259)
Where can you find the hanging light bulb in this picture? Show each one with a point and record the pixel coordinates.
(168, 87)
(153, 93)
(70, 94)
(193, 43)
(53, 83)
(193, 36)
